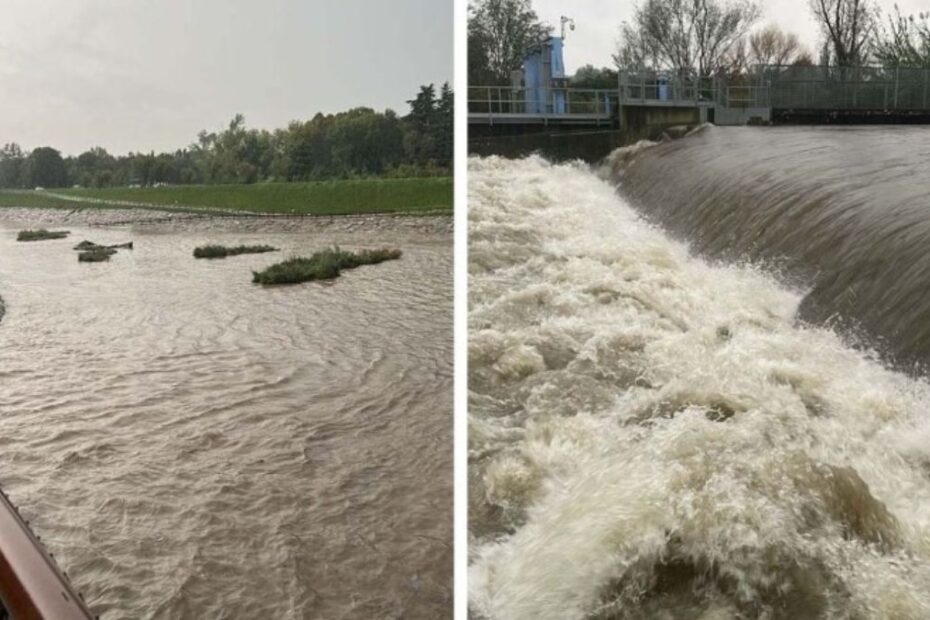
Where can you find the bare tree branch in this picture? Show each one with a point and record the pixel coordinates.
(847, 26)
(685, 35)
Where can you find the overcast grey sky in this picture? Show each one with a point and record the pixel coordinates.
(149, 74)
(598, 23)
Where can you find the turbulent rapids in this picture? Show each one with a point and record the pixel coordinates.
(843, 213)
(655, 435)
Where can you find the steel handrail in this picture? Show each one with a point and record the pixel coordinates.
(32, 587)
(503, 100)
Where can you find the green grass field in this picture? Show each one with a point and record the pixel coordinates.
(321, 198)
(32, 199)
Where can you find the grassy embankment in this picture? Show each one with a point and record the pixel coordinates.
(16, 198)
(323, 265)
(416, 195)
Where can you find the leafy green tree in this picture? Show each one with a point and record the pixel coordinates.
(358, 142)
(429, 139)
(364, 142)
(420, 142)
(445, 126)
(12, 161)
(92, 168)
(423, 107)
(307, 149)
(45, 168)
(590, 77)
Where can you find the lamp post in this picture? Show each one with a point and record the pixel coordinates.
(570, 22)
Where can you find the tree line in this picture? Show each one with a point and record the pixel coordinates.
(355, 143)
(702, 37)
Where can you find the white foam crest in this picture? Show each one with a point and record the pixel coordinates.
(652, 434)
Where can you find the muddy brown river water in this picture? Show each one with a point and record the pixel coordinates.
(191, 445)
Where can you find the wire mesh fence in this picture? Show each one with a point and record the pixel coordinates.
(847, 88)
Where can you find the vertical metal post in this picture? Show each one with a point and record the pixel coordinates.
(926, 76)
(896, 88)
(620, 98)
(856, 82)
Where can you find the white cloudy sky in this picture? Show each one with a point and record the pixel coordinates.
(149, 74)
(597, 23)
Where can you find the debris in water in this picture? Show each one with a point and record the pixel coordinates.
(41, 234)
(96, 255)
(221, 251)
(90, 245)
(324, 265)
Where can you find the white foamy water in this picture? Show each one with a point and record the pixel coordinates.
(654, 436)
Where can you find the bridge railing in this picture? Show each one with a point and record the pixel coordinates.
(848, 88)
(667, 87)
(754, 95)
(657, 87)
(548, 102)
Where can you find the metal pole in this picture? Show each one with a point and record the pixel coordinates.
(856, 83)
(620, 98)
(926, 75)
(896, 88)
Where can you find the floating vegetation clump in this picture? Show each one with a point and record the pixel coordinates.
(41, 234)
(96, 255)
(90, 245)
(323, 265)
(221, 251)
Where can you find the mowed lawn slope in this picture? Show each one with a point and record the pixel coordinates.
(318, 198)
(11, 198)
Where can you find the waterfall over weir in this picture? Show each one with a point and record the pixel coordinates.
(672, 428)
